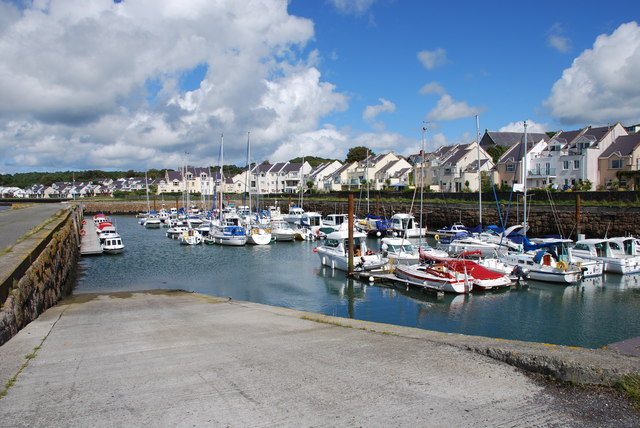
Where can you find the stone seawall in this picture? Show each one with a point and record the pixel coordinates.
(594, 222)
(42, 270)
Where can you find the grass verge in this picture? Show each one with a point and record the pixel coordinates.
(630, 387)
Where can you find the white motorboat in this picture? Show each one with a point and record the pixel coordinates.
(258, 235)
(175, 232)
(436, 277)
(405, 225)
(190, 237)
(399, 251)
(609, 251)
(152, 221)
(334, 252)
(281, 231)
(294, 215)
(469, 244)
(112, 244)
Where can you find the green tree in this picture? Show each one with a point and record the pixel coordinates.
(496, 151)
(358, 153)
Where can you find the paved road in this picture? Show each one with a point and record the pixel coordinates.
(15, 223)
(182, 359)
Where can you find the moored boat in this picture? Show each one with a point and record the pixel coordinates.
(334, 252)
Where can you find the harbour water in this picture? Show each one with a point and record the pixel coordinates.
(592, 314)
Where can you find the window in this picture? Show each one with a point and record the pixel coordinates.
(615, 164)
(510, 167)
(565, 165)
(576, 164)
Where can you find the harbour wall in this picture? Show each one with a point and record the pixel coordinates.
(39, 270)
(566, 220)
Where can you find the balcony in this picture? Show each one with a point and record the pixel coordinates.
(547, 172)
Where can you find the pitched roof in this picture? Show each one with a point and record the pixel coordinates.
(622, 146)
(509, 139)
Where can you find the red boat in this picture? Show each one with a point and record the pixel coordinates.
(483, 278)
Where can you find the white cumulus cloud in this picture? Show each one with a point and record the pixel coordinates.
(432, 59)
(532, 127)
(450, 109)
(601, 86)
(102, 85)
(432, 88)
(385, 106)
(557, 40)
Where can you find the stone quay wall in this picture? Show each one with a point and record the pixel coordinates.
(566, 220)
(41, 270)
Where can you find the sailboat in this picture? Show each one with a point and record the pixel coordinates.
(257, 234)
(548, 261)
(229, 230)
(152, 220)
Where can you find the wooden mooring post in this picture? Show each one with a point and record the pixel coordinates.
(350, 217)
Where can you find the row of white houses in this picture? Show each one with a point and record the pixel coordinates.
(566, 159)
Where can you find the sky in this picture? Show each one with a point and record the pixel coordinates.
(142, 84)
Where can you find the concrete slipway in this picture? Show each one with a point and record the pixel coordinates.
(171, 358)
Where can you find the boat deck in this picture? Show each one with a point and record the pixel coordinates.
(89, 243)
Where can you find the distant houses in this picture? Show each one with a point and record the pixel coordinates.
(590, 158)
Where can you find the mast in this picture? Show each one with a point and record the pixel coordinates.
(524, 179)
(302, 183)
(424, 131)
(146, 184)
(366, 177)
(247, 188)
(221, 177)
(479, 173)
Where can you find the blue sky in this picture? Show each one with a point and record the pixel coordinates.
(138, 84)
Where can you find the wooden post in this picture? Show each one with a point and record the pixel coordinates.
(578, 228)
(350, 216)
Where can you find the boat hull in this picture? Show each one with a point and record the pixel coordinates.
(422, 276)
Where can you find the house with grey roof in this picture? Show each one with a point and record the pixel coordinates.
(622, 155)
(339, 179)
(456, 167)
(367, 170)
(282, 177)
(322, 171)
(572, 157)
(191, 179)
(511, 165)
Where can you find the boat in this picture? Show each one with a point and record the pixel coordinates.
(466, 244)
(610, 252)
(258, 235)
(437, 277)
(334, 252)
(174, 232)
(452, 230)
(229, 235)
(335, 221)
(548, 261)
(483, 279)
(152, 221)
(405, 225)
(190, 237)
(281, 231)
(294, 215)
(229, 230)
(375, 226)
(112, 244)
(399, 251)
(100, 218)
